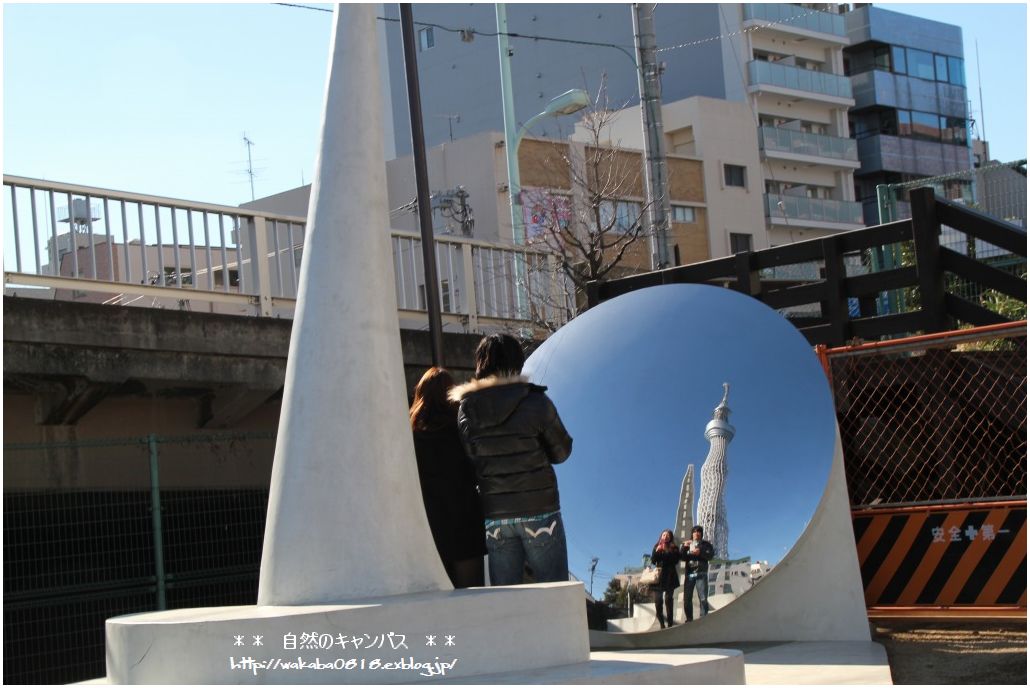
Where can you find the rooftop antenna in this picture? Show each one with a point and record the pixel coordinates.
(250, 164)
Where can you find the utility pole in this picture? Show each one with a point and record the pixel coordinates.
(656, 173)
(250, 164)
(425, 211)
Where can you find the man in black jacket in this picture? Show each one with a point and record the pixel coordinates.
(697, 552)
(513, 435)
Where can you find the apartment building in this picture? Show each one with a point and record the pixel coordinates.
(783, 61)
(910, 118)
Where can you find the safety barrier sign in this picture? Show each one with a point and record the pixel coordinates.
(943, 556)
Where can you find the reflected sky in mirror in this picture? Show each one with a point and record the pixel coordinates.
(636, 381)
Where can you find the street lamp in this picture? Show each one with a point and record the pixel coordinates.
(566, 104)
(593, 565)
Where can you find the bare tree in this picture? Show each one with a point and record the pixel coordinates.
(585, 211)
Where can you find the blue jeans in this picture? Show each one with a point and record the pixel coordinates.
(698, 581)
(541, 544)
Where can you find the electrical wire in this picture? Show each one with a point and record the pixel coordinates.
(469, 31)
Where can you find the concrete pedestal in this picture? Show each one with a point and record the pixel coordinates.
(518, 634)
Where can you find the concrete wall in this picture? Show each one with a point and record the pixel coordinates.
(102, 372)
(470, 162)
(464, 78)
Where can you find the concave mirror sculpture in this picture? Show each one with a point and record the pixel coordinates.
(637, 381)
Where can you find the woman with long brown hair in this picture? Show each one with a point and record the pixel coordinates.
(448, 480)
(665, 555)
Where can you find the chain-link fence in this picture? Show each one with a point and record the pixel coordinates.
(935, 418)
(95, 529)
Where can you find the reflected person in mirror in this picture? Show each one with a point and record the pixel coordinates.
(697, 552)
(665, 555)
(513, 435)
(447, 480)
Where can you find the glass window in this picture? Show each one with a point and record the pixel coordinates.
(904, 123)
(733, 175)
(926, 126)
(882, 58)
(682, 214)
(898, 59)
(425, 38)
(941, 66)
(920, 64)
(953, 130)
(740, 243)
(956, 71)
(619, 216)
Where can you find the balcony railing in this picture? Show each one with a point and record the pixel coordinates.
(801, 17)
(778, 208)
(802, 143)
(808, 80)
(135, 249)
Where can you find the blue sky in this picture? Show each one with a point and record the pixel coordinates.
(636, 380)
(156, 98)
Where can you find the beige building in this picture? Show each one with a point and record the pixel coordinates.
(551, 171)
(718, 134)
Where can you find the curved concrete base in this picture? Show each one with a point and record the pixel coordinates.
(492, 630)
(645, 667)
(814, 594)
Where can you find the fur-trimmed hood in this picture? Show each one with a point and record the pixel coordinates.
(459, 392)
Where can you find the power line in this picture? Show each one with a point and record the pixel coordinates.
(469, 31)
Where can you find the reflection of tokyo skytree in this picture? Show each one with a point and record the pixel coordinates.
(711, 507)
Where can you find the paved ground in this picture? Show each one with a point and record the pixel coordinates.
(926, 651)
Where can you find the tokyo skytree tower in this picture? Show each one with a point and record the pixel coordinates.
(711, 507)
(685, 511)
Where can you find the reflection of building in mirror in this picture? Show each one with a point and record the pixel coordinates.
(711, 507)
(734, 577)
(685, 512)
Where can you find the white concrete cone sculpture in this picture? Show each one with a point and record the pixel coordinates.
(345, 513)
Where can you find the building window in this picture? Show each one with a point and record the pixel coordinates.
(425, 38)
(739, 243)
(904, 123)
(926, 126)
(941, 67)
(734, 175)
(956, 71)
(898, 63)
(622, 217)
(682, 213)
(920, 64)
(881, 58)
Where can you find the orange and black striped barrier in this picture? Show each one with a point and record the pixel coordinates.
(944, 557)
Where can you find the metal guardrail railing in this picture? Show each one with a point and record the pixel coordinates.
(777, 139)
(785, 14)
(82, 243)
(807, 80)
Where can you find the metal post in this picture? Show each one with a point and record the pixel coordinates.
(425, 219)
(511, 153)
(155, 519)
(656, 174)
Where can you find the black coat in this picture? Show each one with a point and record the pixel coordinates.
(449, 493)
(670, 577)
(697, 563)
(512, 434)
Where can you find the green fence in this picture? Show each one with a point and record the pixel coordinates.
(95, 529)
